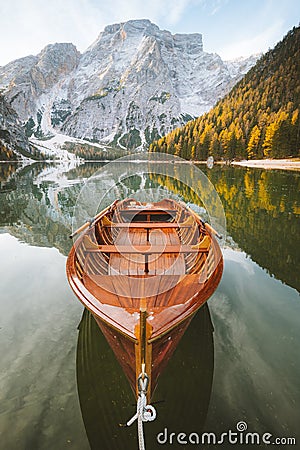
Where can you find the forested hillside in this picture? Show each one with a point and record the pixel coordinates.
(258, 118)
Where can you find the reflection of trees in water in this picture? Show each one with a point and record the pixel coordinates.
(85, 170)
(6, 171)
(262, 212)
(261, 206)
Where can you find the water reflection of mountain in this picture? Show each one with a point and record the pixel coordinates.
(35, 209)
(262, 207)
(107, 400)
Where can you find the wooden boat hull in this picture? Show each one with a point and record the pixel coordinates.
(143, 304)
(159, 350)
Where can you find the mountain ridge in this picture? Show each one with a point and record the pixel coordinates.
(258, 118)
(135, 83)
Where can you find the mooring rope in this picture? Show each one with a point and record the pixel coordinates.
(144, 412)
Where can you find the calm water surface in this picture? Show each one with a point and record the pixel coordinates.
(60, 385)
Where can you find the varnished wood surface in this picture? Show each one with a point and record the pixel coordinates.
(147, 225)
(151, 210)
(111, 280)
(146, 249)
(169, 269)
(158, 261)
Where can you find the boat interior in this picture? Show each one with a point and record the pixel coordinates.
(163, 241)
(120, 239)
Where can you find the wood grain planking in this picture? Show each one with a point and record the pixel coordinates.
(182, 294)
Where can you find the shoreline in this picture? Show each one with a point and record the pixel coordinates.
(283, 164)
(280, 164)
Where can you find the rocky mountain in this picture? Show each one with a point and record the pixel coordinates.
(258, 118)
(14, 144)
(132, 85)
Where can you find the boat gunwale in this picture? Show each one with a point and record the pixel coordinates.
(83, 294)
(94, 305)
(191, 308)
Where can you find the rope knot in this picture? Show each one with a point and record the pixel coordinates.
(144, 412)
(149, 413)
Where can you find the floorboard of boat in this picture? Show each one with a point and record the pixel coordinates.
(169, 264)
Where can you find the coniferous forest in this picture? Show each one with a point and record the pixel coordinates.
(258, 118)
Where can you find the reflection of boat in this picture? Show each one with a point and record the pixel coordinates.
(106, 398)
(144, 270)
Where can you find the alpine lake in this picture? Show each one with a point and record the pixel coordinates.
(237, 367)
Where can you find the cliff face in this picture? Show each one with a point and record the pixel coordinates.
(28, 83)
(13, 141)
(135, 83)
(258, 118)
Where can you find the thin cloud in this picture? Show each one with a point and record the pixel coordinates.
(34, 24)
(216, 6)
(260, 42)
(26, 27)
(177, 9)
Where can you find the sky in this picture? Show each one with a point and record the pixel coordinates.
(231, 28)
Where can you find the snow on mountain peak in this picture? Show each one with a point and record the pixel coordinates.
(135, 83)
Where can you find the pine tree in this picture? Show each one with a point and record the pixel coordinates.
(253, 143)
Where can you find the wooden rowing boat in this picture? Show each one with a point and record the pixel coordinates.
(143, 271)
